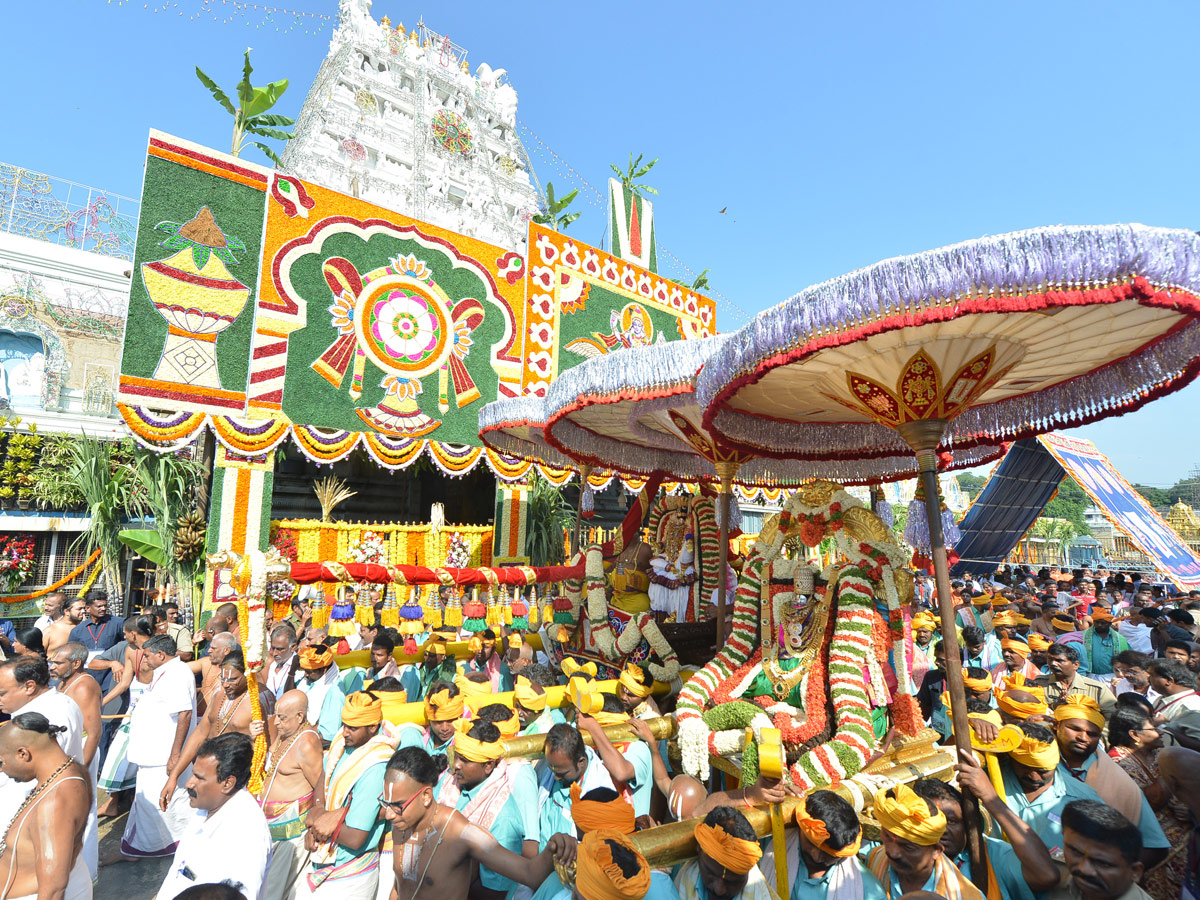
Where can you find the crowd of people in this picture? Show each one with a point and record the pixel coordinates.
(1082, 704)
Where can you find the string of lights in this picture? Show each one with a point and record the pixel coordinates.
(593, 196)
(231, 12)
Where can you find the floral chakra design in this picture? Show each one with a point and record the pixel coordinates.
(452, 132)
(405, 325)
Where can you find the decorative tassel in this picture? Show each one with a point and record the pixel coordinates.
(410, 645)
(950, 528)
(341, 617)
(883, 509)
(454, 611)
(433, 609)
(563, 609)
(474, 614)
(916, 531)
(320, 611)
(531, 606)
(587, 505)
(389, 616)
(364, 610)
(495, 611)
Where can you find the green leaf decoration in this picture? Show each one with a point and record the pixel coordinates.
(223, 254)
(245, 91)
(175, 242)
(168, 227)
(200, 254)
(269, 132)
(236, 244)
(145, 542)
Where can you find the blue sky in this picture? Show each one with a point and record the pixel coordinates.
(836, 134)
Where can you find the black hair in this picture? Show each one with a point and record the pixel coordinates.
(32, 639)
(613, 704)
(1134, 659)
(171, 604)
(540, 674)
(601, 795)
(1175, 670)
(298, 601)
(734, 823)
(384, 641)
(417, 765)
(973, 634)
(233, 753)
(564, 738)
(978, 705)
(935, 789)
(484, 731)
(35, 721)
(161, 643)
(28, 668)
(145, 626)
(838, 816)
(225, 890)
(625, 859)
(1064, 650)
(977, 672)
(1099, 822)
(1124, 722)
(494, 713)
(95, 594)
(1134, 700)
(487, 635)
(1037, 732)
(1182, 616)
(1185, 646)
(386, 685)
(442, 686)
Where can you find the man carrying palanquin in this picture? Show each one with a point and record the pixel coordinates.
(293, 782)
(726, 863)
(531, 703)
(487, 661)
(634, 688)
(324, 689)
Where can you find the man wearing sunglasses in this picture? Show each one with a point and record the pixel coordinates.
(438, 850)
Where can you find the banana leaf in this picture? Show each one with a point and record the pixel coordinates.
(145, 542)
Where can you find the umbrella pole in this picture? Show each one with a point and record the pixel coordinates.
(584, 471)
(726, 470)
(923, 436)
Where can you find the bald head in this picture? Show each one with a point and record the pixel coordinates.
(686, 794)
(291, 712)
(220, 647)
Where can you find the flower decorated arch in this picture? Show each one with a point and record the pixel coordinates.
(17, 315)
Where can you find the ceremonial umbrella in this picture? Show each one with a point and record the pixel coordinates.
(634, 411)
(990, 340)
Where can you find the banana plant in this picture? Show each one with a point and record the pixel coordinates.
(701, 282)
(555, 216)
(629, 177)
(250, 117)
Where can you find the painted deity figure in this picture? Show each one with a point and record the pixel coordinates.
(672, 573)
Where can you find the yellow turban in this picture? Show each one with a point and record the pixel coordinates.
(438, 647)
(1021, 709)
(475, 645)
(982, 600)
(473, 749)
(510, 727)
(631, 680)
(817, 833)
(735, 854)
(469, 688)
(527, 696)
(597, 877)
(572, 667)
(1038, 641)
(977, 684)
(1063, 624)
(595, 815)
(1019, 647)
(606, 718)
(362, 708)
(441, 707)
(1016, 682)
(1036, 754)
(924, 620)
(515, 640)
(1079, 706)
(1005, 618)
(316, 657)
(907, 816)
(1024, 620)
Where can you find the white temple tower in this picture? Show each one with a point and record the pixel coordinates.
(396, 118)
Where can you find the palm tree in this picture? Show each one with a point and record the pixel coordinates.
(629, 177)
(701, 282)
(251, 116)
(555, 216)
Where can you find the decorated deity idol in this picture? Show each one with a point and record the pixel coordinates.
(672, 573)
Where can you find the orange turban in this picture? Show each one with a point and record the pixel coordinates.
(1038, 641)
(362, 708)
(529, 698)
(817, 833)
(1079, 706)
(475, 645)
(473, 749)
(316, 657)
(1021, 709)
(1024, 620)
(631, 680)
(1005, 618)
(597, 877)
(1063, 624)
(977, 684)
(1035, 754)
(1100, 614)
(1019, 647)
(907, 816)
(735, 854)
(441, 707)
(595, 815)
(468, 688)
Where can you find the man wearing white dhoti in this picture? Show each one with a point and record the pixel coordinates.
(159, 726)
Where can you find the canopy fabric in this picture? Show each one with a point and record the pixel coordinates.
(1025, 482)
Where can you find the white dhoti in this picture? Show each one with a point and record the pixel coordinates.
(357, 879)
(386, 875)
(119, 773)
(150, 831)
(79, 885)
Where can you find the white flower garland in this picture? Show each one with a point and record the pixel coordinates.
(693, 747)
(256, 625)
(370, 548)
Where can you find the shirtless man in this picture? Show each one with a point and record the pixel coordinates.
(438, 851)
(41, 855)
(294, 781)
(209, 669)
(60, 632)
(232, 714)
(67, 665)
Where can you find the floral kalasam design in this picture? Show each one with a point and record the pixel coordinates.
(920, 392)
(195, 293)
(400, 320)
(452, 132)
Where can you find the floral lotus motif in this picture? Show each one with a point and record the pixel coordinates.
(405, 325)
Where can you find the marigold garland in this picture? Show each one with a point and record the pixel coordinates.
(65, 580)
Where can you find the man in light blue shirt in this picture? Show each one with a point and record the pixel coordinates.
(568, 761)
(628, 762)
